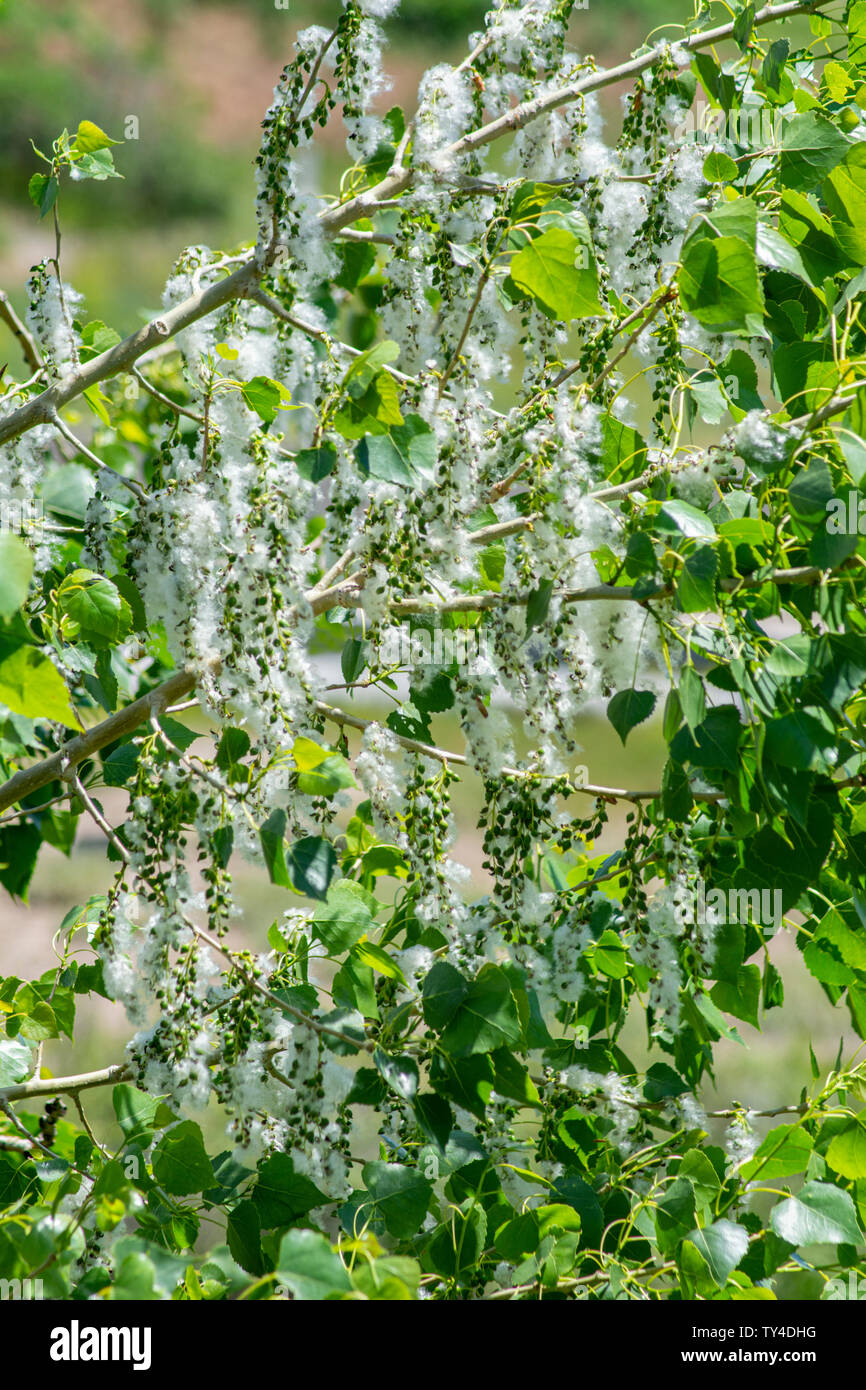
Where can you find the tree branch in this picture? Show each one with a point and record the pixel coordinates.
(43, 408)
(443, 755)
(397, 182)
(32, 355)
(65, 1085)
(51, 769)
(627, 593)
(347, 594)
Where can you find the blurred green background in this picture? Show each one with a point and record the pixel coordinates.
(198, 75)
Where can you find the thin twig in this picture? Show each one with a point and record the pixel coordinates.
(135, 488)
(164, 400)
(95, 814)
(297, 1014)
(29, 347)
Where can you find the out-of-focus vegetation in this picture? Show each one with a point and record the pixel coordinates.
(168, 61)
(197, 76)
(61, 62)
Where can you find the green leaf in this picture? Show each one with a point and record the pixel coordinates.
(688, 520)
(232, 748)
(180, 1161)
(15, 1061)
(628, 708)
(281, 1195)
(272, 836)
(35, 1021)
(820, 1213)
(19, 846)
(95, 604)
(486, 1019)
(719, 284)
(675, 1214)
(722, 1246)
(557, 269)
(692, 697)
(373, 401)
(89, 138)
(358, 260)
(774, 63)
(265, 397)
(367, 366)
(99, 165)
(244, 1236)
(744, 26)
(719, 168)
(811, 490)
(783, 1153)
(405, 454)
(789, 656)
(315, 464)
(353, 659)
(329, 776)
(806, 228)
(538, 605)
(856, 31)
(844, 192)
(398, 1194)
(800, 741)
(373, 956)
(715, 741)
(311, 863)
(16, 571)
(120, 765)
(512, 1079)
(610, 956)
(811, 147)
(623, 450)
(390, 1278)
(42, 190)
(400, 1073)
(677, 799)
(774, 250)
(30, 684)
(696, 1166)
(308, 1266)
(139, 1114)
(846, 1153)
(444, 991)
(343, 919)
(67, 490)
(834, 933)
(696, 582)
